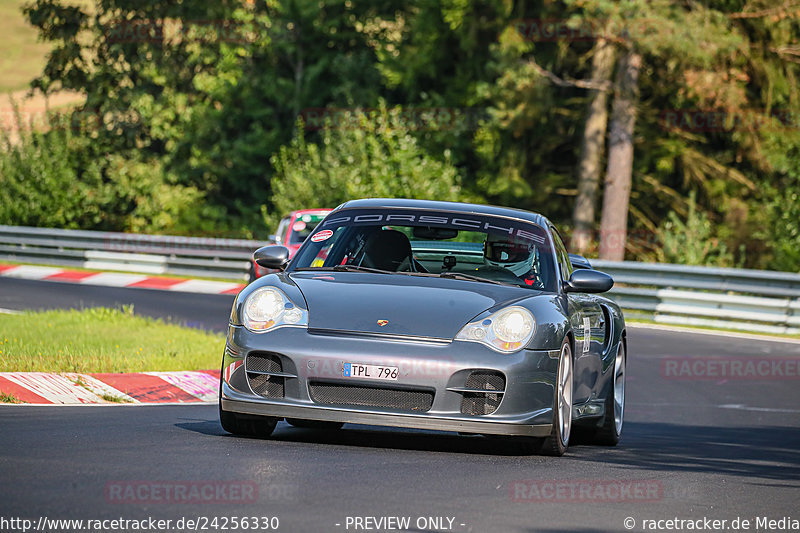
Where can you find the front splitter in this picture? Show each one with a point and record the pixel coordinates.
(381, 419)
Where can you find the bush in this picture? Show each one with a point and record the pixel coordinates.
(784, 234)
(691, 241)
(54, 179)
(376, 158)
(41, 186)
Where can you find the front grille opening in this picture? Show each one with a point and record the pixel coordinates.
(264, 384)
(478, 403)
(349, 395)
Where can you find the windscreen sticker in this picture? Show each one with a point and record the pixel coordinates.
(323, 235)
(467, 222)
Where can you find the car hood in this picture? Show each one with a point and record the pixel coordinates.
(410, 305)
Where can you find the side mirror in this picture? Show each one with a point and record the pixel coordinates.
(274, 256)
(583, 280)
(578, 261)
(274, 238)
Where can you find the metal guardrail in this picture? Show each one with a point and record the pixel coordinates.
(128, 252)
(748, 300)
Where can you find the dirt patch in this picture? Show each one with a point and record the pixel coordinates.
(33, 109)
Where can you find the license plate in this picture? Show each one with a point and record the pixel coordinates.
(359, 371)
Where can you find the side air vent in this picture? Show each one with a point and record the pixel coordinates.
(608, 327)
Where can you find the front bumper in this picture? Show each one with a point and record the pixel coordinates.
(437, 368)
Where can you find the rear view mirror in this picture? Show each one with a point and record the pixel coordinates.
(585, 280)
(426, 233)
(274, 256)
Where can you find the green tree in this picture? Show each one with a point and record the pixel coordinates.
(303, 56)
(210, 90)
(590, 161)
(436, 56)
(376, 158)
(208, 107)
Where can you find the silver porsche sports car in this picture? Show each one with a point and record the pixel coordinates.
(432, 315)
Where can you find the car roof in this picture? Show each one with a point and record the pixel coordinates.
(310, 212)
(459, 207)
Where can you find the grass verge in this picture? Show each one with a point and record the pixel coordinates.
(9, 398)
(99, 340)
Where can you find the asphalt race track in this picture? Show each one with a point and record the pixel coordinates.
(205, 311)
(719, 449)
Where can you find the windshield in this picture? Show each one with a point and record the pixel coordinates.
(432, 243)
(303, 226)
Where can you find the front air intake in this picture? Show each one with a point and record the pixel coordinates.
(264, 374)
(477, 402)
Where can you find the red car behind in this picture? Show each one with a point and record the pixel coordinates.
(292, 231)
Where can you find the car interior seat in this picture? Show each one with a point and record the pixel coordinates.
(388, 249)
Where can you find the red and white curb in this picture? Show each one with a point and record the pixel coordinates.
(116, 279)
(134, 388)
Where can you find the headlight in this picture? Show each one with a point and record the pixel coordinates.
(506, 331)
(268, 308)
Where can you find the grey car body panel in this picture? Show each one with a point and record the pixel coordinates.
(424, 314)
(356, 300)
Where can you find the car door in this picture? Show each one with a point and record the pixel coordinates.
(588, 325)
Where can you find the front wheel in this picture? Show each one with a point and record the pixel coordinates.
(558, 440)
(608, 434)
(247, 425)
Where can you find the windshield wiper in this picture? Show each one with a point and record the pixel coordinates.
(358, 268)
(469, 277)
(343, 268)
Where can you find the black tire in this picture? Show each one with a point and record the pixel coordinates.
(247, 425)
(314, 424)
(609, 433)
(556, 443)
